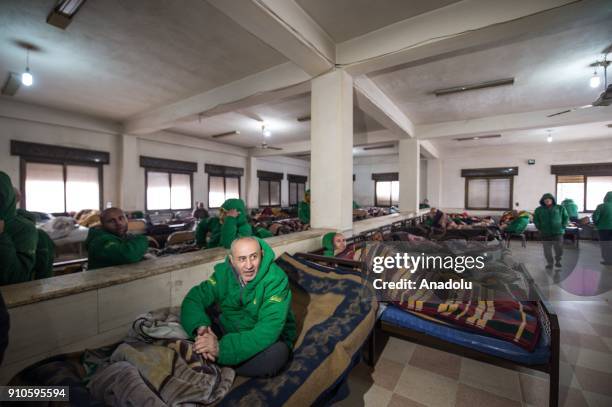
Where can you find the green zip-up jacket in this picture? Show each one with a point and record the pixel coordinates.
(18, 241)
(223, 234)
(550, 221)
(571, 207)
(602, 217)
(518, 224)
(106, 249)
(45, 249)
(304, 212)
(253, 316)
(328, 244)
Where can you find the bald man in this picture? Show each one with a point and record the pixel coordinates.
(252, 299)
(111, 245)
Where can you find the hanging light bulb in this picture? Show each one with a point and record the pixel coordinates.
(26, 78)
(549, 138)
(595, 80)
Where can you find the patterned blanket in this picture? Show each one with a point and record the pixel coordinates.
(496, 305)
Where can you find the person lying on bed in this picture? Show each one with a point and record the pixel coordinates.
(250, 296)
(111, 245)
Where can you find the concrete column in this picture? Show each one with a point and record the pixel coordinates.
(409, 178)
(331, 138)
(252, 183)
(434, 182)
(130, 180)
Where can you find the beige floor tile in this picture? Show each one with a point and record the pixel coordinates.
(576, 325)
(595, 360)
(426, 387)
(593, 342)
(570, 397)
(594, 380)
(567, 376)
(569, 354)
(597, 400)
(437, 361)
(602, 330)
(387, 373)
(468, 396)
(401, 401)
(398, 350)
(496, 380)
(534, 390)
(608, 342)
(598, 318)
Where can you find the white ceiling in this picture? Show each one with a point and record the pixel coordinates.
(118, 57)
(550, 71)
(280, 118)
(346, 19)
(579, 132)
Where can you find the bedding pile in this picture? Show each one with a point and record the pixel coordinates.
(496, 305)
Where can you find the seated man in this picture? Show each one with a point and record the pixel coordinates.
(18, 238)
(335, 246)
(231, 224)
(111, 245)
(252, 299)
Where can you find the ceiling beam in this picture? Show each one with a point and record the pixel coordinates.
(272, 84)
(286, 27)
(428, 150)
(511, 122)
(461, 27)
(376, 104)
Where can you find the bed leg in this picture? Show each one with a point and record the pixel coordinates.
(371, 359)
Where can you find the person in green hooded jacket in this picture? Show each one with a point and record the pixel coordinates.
(602, 218)
(518, 224)
(571, 208)
(111, 245)
(250, 297)
(551, 219)
(304, 208)
(333, 243)
(231, 224)
(18, 238)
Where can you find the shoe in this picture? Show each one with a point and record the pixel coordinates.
(606, 264)
(549, 266)
(558, 264)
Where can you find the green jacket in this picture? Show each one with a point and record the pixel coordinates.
(571, 208)
(518, 224)
(263, 233)
(550, 221)
(253, 316)
(45, 249)
(304, 212)
(106, 249)
(18, 241)
(223, 234)
(328, 244)
(602, 217)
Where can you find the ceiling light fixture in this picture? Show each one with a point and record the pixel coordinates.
(227, 133)
(549, 138)
(26, 78)
(303, 119)
(595, 79)
(481, 85)
(266, 132)
(478, 137)
(379, 147)
(63, 13)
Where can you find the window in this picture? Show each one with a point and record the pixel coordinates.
(168, 191)
(221, 188)
(61, 187)
(270, 188)
(587, 191)
(488, 193)
(297, 188)
(387, 193)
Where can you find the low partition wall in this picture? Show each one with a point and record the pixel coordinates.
(94, 308)
(379, 221)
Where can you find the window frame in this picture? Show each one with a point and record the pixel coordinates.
(169, 173)
(390, 192)
(297, 194)
(24, 160)
(280, 192)
(584, 189)
(488, 178)
(225, 177)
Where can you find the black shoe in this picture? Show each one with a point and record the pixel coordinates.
(558, 264)
(549, 266)
(606, 264)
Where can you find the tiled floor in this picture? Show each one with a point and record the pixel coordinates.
(412, 375)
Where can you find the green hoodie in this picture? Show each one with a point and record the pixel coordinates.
(45, 248)
(223, 234)
(571, 208)
(602, 217)
(106, 249)
(304, 210)
(518, 225)
(328, 244)
(253, 316)
(550, 221)
(18, 240)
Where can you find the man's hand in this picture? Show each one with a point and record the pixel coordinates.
(1, 226)
(232, 213)
(206, 343)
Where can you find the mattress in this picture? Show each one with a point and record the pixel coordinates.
(482, 343)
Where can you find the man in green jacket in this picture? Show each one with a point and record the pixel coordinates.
(571, 208)
(304, 208)
(231, 224)
(18, 238)
(551, 220)
(111, 245)
(518, 224)
(602, 217)
(252, 299)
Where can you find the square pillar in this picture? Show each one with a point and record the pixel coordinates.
(331, 139)
(252, 183)
(409, 177)
(130, 176)
(434, 182)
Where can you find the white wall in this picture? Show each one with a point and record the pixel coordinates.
(423, 181)
(532, 181)
(286, 165)
(363, 168)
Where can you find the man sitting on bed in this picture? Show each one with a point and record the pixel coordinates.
(250, 295)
